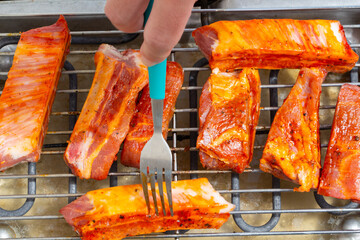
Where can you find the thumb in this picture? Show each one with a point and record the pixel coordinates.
(164, 28)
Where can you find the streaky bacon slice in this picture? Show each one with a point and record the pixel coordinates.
(118, 212)
(292, 150)
(229, 112)
(105, 118)
(276, 43)
(26, 101)
(141, 129)
(341, 172)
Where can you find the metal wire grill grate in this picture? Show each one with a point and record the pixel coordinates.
(192, 88)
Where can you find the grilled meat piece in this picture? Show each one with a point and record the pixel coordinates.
(292, 150)
(341, 172)
(105, 118)
(229, 113)
(118, 212)
(141, 128)
(26, 101)
(276, 43)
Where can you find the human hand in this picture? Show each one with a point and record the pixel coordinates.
(163, 29)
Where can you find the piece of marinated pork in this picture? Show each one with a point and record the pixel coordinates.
(105, 118)
(141, 127)
(229, 112)
(292, 150)
(29, 92)
(275, 44)
(341, 172)
(118, 212)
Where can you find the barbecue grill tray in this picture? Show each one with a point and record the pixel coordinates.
(266, 208)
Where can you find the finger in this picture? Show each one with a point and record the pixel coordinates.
(126, 15)
(164, 28)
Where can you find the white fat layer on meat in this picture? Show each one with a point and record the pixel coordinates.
(217, 71)
(191, 192)
(335, 27)
(322, 37)
(19, 149)
(214, 45)
(137, 60)
(83, 149)
(210, 193)
(129, 56)
(112, 51)
(134, 56)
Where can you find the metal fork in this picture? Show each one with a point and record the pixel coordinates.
(155, 158)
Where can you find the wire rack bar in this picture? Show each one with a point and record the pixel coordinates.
(266, 190)
(184, 49)
(194, 235)
(63, 195)
(287, 211)
(258, 128)
(185, 110)
(173, 149)
(66, 195)
(186, 30)
(186, 69)
(187, 88)
(76, 52)
(236, 234)
(66, 175)
(303, 8)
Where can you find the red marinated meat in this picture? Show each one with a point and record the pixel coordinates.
(229, 112)
(105, 118)
(292, 150)
(141, 129)
(341, 172)
(118, 212)
(29, 92)
(276, 43)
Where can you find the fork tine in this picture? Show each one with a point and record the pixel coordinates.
(168, 189)
(161, 191)
(145, 189)
(153, 189)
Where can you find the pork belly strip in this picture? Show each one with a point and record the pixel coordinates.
(292, 150)
(118, 212)
(29, 92)
(341, 172)
(229, 112)
(275, 44)
(105, 118)
(141, 127)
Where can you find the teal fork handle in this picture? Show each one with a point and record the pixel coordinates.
(157, 73)
(148, 11)
(157, 80)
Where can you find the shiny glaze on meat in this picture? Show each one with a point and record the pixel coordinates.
(105, 118)
(292, 150)
(229, 113)
(141, 128)
(29, 92)
(276, 43)
(341, 172)
(118, 212)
